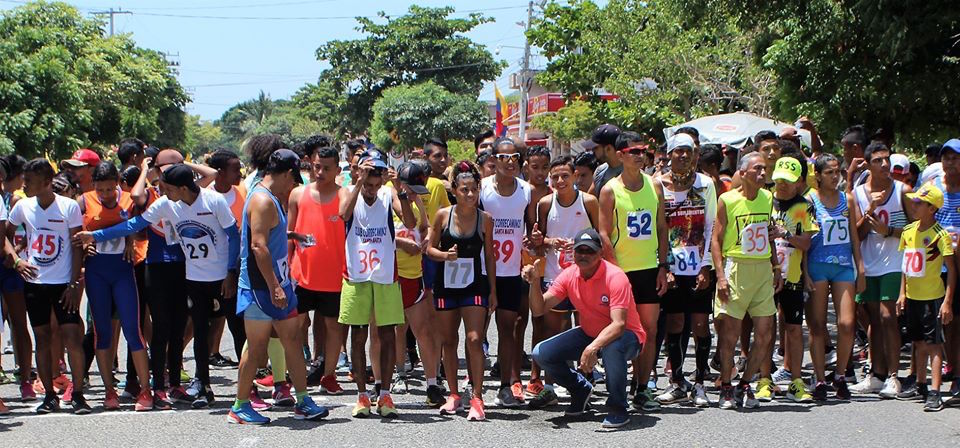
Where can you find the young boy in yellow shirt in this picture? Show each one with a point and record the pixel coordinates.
(924, 298)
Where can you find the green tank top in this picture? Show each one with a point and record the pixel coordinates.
(747, 234)
(634, 235)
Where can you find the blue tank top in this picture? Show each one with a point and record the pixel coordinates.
(833, 243)
(250, 275)
(949, 215)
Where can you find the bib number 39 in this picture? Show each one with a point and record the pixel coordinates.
(502, 250)
(640, 225)
(755, 240)
(914, 262)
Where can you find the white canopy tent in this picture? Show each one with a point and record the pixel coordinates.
(734, 129)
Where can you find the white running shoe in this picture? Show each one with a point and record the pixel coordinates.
(891, 388)
(869, 385)
(700, 398)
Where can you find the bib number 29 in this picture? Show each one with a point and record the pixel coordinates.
(639, 225)
(197, 251)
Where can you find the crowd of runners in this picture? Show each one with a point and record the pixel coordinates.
(628, 250)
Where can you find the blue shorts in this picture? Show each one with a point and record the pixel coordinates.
(257, 305)
(10, 280)
(564, 305)
(430, 268)
(830, 272)
(452, 303)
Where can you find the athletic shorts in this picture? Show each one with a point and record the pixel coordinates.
(923, 321)
(644, 285)
(883, 288)
(10, 280)
(361, 301)
(42, 299)
(509, 293)
(430, 269)
(956, 294)
(564, 306)
(254, 312)
(325, 303)
(411, 289)
(684, 298)
(790, 300)
(222, 306)
(830, 272)
(751, 289)
(452, 303)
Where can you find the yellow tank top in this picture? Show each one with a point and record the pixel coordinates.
(747, 234)
(634, 235)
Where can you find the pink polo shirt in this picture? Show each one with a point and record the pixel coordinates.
(608, 289)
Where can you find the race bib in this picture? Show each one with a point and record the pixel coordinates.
(111, 247)
(458, 274)
(640, 225)
(283, 271)
(755, 239)
(784, 251)
(565, 258)
(201, 248)
(914, 262)
(503, 250)
(45, 248)
(686, 260)
(835, 231)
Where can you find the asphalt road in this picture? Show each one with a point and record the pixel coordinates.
(861, 422)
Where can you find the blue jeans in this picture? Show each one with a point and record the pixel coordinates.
(553, 354)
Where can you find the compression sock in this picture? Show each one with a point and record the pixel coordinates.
(675, 357)
(703, 357)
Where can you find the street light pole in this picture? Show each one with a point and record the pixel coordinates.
(524, 75)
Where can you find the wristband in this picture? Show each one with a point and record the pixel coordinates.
(664, 264)
(16, 263)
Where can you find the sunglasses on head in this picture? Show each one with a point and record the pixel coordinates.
(515, 156)
(635, 150)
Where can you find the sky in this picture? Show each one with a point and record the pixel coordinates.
(229, 51)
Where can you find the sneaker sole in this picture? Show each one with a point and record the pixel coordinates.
(196, 405)
(310, 417)
(329, 392)
(238, 421)
(933, 409)
(81, 411)
(614, 425)
(361, 415)
(508, 406)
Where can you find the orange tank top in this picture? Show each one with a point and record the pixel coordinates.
(96, 216)
(319, 268)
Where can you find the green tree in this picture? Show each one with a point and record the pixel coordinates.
(322, 104)
(63, 84)
(423, 45)
(202, 136)
(408, 115)
(573, 122)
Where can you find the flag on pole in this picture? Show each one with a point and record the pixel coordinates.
(502, 112)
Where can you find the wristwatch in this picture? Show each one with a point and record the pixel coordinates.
(402, 196)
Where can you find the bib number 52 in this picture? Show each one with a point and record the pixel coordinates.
(639, 225)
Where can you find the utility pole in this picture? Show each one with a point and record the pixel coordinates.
(524, 75)
(111, 12)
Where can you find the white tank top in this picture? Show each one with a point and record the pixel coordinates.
(880, 254)
(563, 222)
(508, 224)
(370, 244)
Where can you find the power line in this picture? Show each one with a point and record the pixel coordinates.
(256, 5)
(303, 18)
(110, 12)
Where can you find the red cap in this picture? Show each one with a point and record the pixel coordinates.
(83, 157)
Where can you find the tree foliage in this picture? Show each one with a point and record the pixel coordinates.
(424, 45)
(64, 84)
(408, 115)
(264, 115)
(573, 122)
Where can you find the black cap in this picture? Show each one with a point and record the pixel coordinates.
(605, 134)
(589, 238)
(378, 157)
(151, 152)
(180, 175)
(415, 173)
(283, 160)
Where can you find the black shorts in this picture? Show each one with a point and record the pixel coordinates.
(564, 306)
(684, 298)
(223, 306)
(42, 299)
(325, 303)
(644, 285)
(790, 302)
(509, 293)
(923, 321)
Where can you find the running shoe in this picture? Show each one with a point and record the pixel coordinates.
(144, 401)
(4, 410)
(840, 389)
(362, 408)
(6, 379)
(477, 413)
(161, 402)
(451, 406)
(400, 385)
(343, 362)
(79, 404)
(245, 415)
(130, 391)
(495, 370)
(202, 399)
(27, 393)
(67, 397)
(194, 388)
(184, 376)
(315, 376)
(909, 392)
(178, 395)
(546, 397)
(798, 392)
(264, 382)
(534, 387)
(891, 387)
(111, 401)
(257, 403)
(933, 402)
(749, 400)
(616, 418)
(764, 390)
(218, 361)
(579, 401)
(652, 383)
(830, 358)
(782, 376)
(699, 396)
(727, 400)
(434, 396)
(517, 390)
(954, 399)
(386, 408)
(61, 383)
(505, 398)
(306, 409)
(282, 395)
(8, 349)
(644, 401)
(561, 391)
(869, 385)
(38, 386)
(676, 393)
(51, 403)
(330, 386)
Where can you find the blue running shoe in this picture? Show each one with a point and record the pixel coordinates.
(245, 415)
(579, 401)
(616, 418)
(308, 410)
